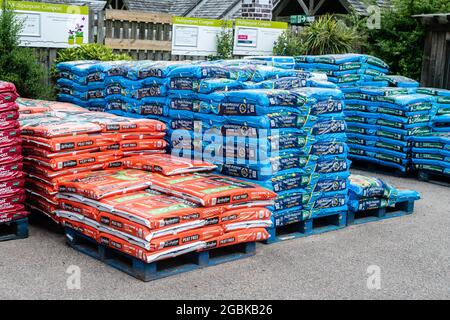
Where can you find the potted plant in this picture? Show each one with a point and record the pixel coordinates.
(71, 39)
(79, 33)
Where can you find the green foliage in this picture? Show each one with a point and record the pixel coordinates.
(400, 41)
(224, 44)
(90, 51)
(19, 65)
(288, 44)
(329, 35)
(326, 35)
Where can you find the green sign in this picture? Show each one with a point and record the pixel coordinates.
(301, 19)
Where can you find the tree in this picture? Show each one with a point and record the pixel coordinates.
(19, 65)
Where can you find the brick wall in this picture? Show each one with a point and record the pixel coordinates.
(257, 9)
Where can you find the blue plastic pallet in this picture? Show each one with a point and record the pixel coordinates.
(159, 269)
(401, 208)
(14, 230)
(434, 177)
(307, 227)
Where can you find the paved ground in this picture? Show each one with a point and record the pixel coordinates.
(413, 254)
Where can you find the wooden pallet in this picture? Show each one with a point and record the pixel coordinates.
(159, 269)
(307, 227)
(13, 230)
(401, 208)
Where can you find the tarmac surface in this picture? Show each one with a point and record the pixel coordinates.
(411, 253)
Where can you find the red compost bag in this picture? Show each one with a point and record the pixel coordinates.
(56, 127)
(138, 145)
(82, 228)
(11, 187)
(8, 92)
(9, 115)
(236, 237)
(71, 143)
(167, 164)
(48, 173)
(9, 106)
(9, 125)
(136, 251)
(140, 136)
(42, 153)
(52, 199)
(7, 206)
(75, 161)
(210, 189)
(11, 171)
(42, 205)
(101, 184)
(10, 154)
(112, 123)
(10, 137)
(12, 215)
(40, 187)
(29, 106)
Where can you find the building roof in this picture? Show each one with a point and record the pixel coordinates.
(148, 5)
(217, 9)
(94, 5)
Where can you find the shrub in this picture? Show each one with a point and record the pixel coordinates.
(288, 44)
(19, 65)
(90, 51)
(224, 44)
(328, 35)
(400, 41)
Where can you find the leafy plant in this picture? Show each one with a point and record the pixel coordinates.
(288, 44)
(19, 65)
(400, 41)
(328, 35)
(224, 43)
(90, 51)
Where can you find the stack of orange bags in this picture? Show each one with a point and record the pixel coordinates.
(61, 139)
(174, 208)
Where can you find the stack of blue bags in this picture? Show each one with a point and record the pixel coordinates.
(84, 82)
(382, 121)
(347, 70)
(281, 128)
(441, 122)
(431, 153)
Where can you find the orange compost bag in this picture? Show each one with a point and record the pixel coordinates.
(167, 164)
(210, 189)
(101, 184)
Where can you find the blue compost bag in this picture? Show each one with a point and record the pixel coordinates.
(152, 69)
(281, 163)
(370, 187)
(337, 59)
(435, 140)
(434, 92)
(156, 106)
(64, 82)
(384, 91)
(431, 154)
(82, 95)
(206, 86)
(276, 120)
(261, 73)
(283, 182)
(285, 83)
(379, 158)
(378, 142)
(432, 167)
(201, 71)
(387, 132)
(268, 97)
(72, 65)
(389, 120)
(275, 61)
(196, 102)
(398, 81)
(327, 128)
(356, 148)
